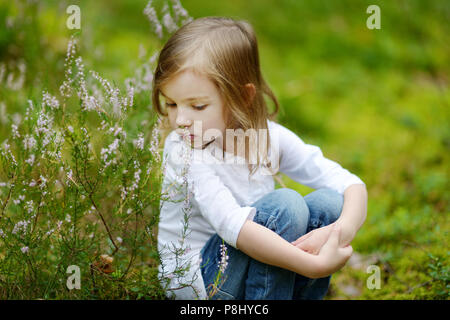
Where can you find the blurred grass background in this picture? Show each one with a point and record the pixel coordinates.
(375, 101)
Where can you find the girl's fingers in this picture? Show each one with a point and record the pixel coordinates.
(347, 251)
(302, 247)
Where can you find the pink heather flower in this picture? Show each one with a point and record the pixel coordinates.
(44, 123)
(6, 152)
(168, 21)
(154, 143)
(110, 152)
(113, 95)
(223, 258)
(180, 12)
(48, 100)
(65, 89)
(30, 160)
(130, 96)
(139, 142)
(70, 174)
(15, 132)
(150, 12)
(20, 198)
(44, 182)
(29, 206)
(137, 178)
(21, 226)
(29, 142)
(17, 84)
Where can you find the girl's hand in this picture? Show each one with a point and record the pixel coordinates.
(331, 256)
(313, 241)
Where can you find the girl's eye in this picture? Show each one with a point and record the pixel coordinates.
(172, 105)
(200, 107)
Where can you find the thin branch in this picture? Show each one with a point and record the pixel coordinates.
(7, 198)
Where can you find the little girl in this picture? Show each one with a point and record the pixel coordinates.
(234, 236)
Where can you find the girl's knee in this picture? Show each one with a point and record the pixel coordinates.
(325, 204)
(285, 212)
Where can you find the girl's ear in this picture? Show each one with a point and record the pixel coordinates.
(250, 92)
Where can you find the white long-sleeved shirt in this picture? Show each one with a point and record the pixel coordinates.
(220, 195)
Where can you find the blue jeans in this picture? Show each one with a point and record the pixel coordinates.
(290, 215)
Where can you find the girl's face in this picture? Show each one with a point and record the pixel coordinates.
(192, 97)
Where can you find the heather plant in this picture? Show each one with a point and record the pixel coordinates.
(80, 186)
(81, 177)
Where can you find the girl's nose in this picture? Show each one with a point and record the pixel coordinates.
(182, 120)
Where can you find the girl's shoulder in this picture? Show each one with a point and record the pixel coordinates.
(275, 127)
(279, 133)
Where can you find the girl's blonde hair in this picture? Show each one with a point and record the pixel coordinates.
(226, 51)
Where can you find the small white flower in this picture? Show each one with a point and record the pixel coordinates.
(29, 142)
(70, 175)
(30, 160)
(25, 249)
(15, 131)
(44, 182)
(139, 142)
(20, 198)
(49, 100)
(223, 258)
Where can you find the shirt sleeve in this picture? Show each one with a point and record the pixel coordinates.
(216, 202)
(305, 163)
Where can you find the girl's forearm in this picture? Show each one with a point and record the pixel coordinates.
(264, 245)
(353, 213)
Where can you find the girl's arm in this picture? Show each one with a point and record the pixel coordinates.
(352, 217)
(353, 213)
(264, 245)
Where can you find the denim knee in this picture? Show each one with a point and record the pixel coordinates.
(325, 206)
(285, 212)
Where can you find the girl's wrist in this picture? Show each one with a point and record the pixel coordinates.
(348, 232)
(318, 267)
